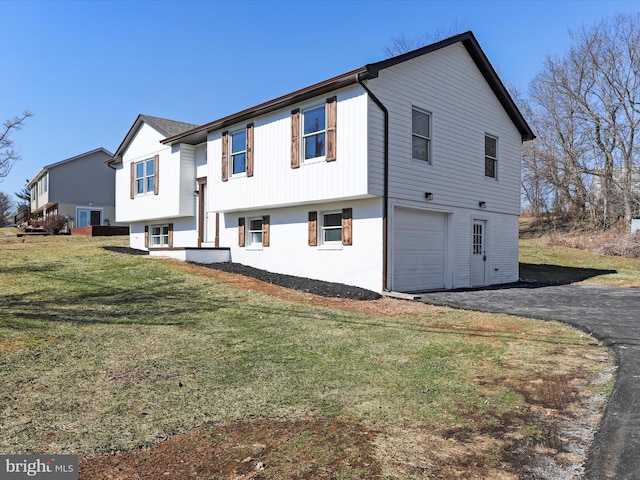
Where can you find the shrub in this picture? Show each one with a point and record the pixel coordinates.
(53, 224)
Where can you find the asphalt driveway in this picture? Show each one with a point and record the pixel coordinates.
(611, 315)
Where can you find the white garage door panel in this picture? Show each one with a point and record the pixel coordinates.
(419, 250)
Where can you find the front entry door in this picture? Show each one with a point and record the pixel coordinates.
(478, 254)
(202, 211)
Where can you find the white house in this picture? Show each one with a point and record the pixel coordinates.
(401, 175)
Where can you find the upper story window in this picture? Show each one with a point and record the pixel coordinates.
(313, 134)
(237, 153)
(238, 157)
(490, 156)
(421, 135)
(43, 184)
(145, 176)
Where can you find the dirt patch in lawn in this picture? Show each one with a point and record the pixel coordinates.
(260, 449)
(381, 306)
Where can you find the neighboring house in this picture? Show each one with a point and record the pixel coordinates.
(81, 188)
(402, 175)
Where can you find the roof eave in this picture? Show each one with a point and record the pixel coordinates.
(199, 134)
(472, 46)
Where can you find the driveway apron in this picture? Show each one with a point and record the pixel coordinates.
(610, 314)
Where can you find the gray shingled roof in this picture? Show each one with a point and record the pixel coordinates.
(166, 126)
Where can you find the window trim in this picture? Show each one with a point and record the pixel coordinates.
(489, 157)
(429, 138)
(250, 232)
(322, 229)
(149, 235)
(145, 177)
(81, 208)
(233, 153)
(303, 136)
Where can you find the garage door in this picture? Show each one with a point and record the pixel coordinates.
(418, 250)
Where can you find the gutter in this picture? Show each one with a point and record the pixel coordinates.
(385, 205)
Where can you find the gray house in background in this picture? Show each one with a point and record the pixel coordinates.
(81, 188)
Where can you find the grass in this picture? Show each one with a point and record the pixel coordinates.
(103, 352)
(566, 265)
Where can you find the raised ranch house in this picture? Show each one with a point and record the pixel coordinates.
(81, 188)
(401, 175)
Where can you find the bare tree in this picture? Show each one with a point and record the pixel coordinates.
(403, 44)
(587, 115)
(8, 156)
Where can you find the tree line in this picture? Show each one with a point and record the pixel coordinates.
(585, 110)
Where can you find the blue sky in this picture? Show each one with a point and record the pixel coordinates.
(86, 69)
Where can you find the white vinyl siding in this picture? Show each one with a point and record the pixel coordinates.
(289, 252)
(275, 183)
(448, 83)
(176, 179)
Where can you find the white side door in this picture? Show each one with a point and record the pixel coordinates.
(479, 254)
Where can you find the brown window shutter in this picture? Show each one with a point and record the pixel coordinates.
(331, 128)
(132, 187)
(347, 237)
(170, 235)
(241, 232)
(250, 150)
(295, 138)
(265, 230)
(225, 156)
(313, 229)
(146, 236)
(156, 176)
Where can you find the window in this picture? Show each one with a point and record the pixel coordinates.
(421, 135)
(490, 156)
(145, 177)
(238, 157)
(237, 153)
(88, 216)
(335, 228)
(317, 128)
(331, 228)
(159, 236)
(43, 184)
(255, 231)
(313, 133)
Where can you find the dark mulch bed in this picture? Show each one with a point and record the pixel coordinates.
(127, 250)
(308, 285)
(301, 284)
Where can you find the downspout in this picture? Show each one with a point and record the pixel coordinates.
(385, 205)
